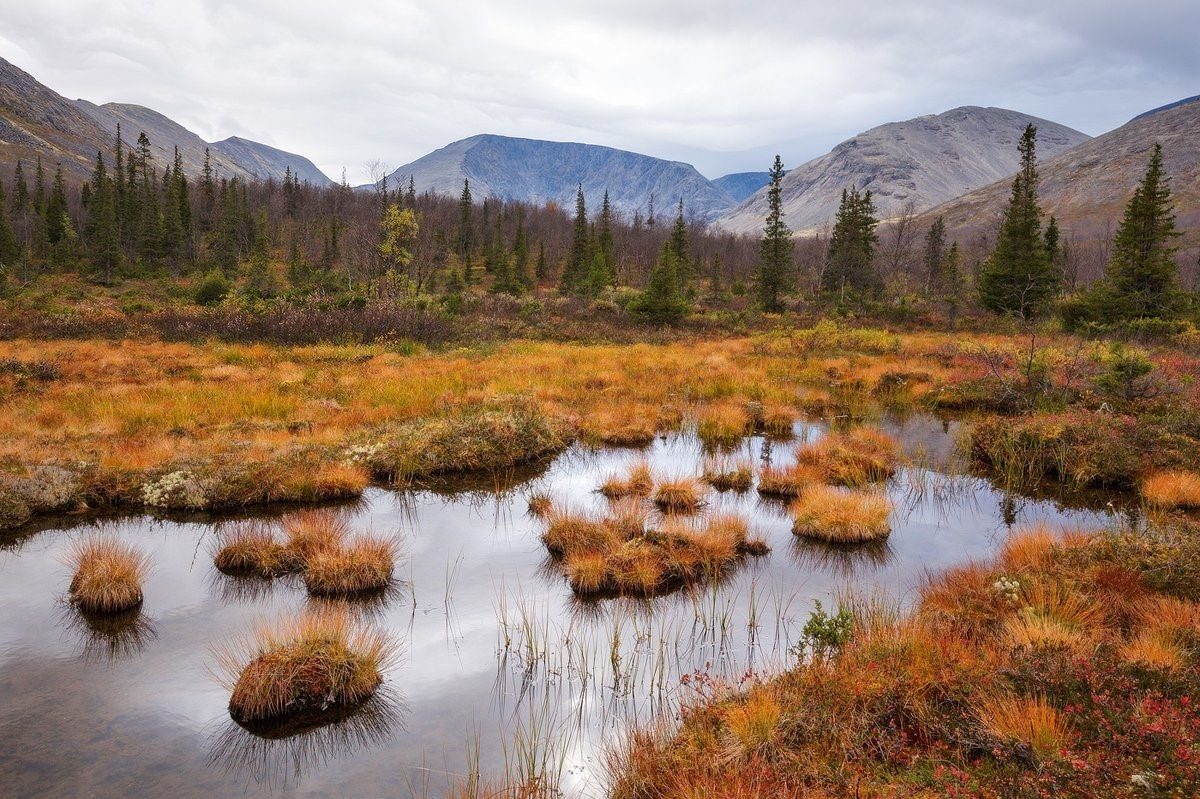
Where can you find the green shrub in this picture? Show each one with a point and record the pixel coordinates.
(212, 289)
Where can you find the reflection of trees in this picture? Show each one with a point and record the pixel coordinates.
(109, 637)
(279, 753)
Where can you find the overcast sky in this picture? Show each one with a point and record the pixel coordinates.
(722, 85)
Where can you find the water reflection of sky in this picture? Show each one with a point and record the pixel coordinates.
(495, 647)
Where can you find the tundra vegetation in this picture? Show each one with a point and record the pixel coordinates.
(307, 664)
(178, 344)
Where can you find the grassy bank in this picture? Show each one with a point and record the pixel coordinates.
(1066, 667)
(207, 426)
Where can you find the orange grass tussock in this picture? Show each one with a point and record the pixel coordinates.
(108, 575)
(679, 495)
(842, 517)
(863, 455)
(252, 547)
(304, 664)
(1031, 722)
(1175, 489)
(358, 566)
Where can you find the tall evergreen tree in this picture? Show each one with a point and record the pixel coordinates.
(541, 269)
(951, 288)
(605, 248)
(103, 238)
(681, 247)
(664, 300)
(934, 256)
(579, 257)
(1140, 280)
(10, 251)
(466, 228)
(775, 276)
(522, 268)
(1018, 278)
(58, 223)
(850, 263)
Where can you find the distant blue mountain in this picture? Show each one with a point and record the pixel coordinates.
(741, 185)
(546, 171)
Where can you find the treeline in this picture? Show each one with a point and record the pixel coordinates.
(135, 218)
(288, 240)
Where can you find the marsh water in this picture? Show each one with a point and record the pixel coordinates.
(501, 668)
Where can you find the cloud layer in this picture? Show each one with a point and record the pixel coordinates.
(712, 83)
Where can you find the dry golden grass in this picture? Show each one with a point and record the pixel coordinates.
(586, 571)
(108, 575)
(1028, 548)
(252, 547)
(360, 565)
(723, 423)
(139, 409)
(1179, 616)
(1177, 489)
(1055, 614)
(571, 531)
(863, 455)
(302, 664)
(638, 482)
(679, 495)
(840, 516)
(728, 475)
(540, 505)
(787, 482)
(752, 723)
(1155, 648)
(1029, 721)
(310, 532)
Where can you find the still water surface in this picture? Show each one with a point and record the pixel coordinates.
(499, 661)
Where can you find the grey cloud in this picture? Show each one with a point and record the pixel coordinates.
(718, 84)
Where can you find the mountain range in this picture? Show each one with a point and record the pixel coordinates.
(922, 162)
(957, 164)
(35, 120)
(545, 171)
(1086, 187)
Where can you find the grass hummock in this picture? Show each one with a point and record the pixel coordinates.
(1172, 490)
(252, 547)
(360, 565)
(311, 663)
(725, 475)
(863, 455)
(108, 575)
(679, 495)
(631, 550)
(840, 516)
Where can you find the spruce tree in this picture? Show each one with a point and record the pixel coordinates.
(542, 268)
(664, 300)
(103, 238)
(776, 257)
(58, 223)
(934, 257)
(10, 251)
(1018, 278)
(681, 248)
(850, 263)
(952, 286)
(1141, 275)
(579, 257)
(522, 268)
(605, 249)
(466, 228)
